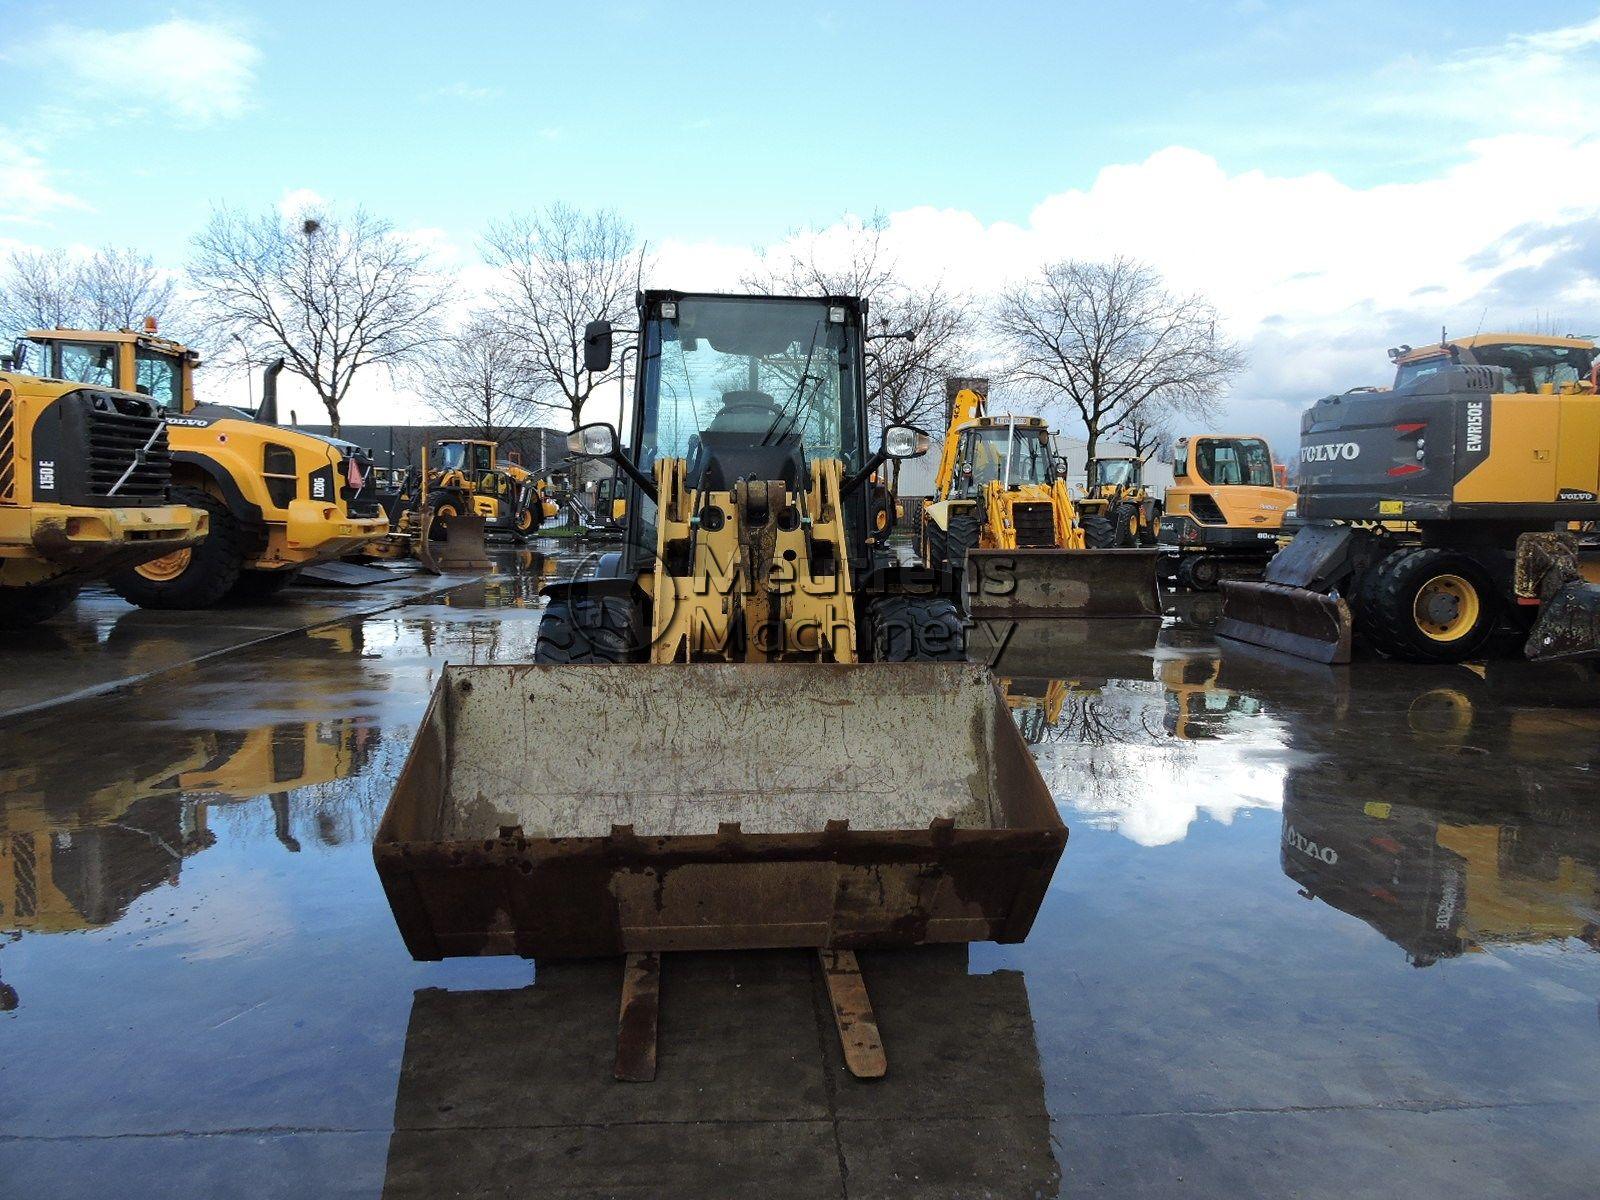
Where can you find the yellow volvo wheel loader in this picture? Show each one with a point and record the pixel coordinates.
(1117, 509)
(277, 500)
(750, 727)
(1224, 511)
(1461, 501)
(85, 476)
(1002, 521)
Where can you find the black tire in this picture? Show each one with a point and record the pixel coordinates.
(260, 585)
(215, 563)
(1124, 523)
(1198, 572)
(1098, 531)
(443, 511)
(23, 607)
(600, 629)
(933, 547)
(1397, 627)
(1148, 532)
(917, 629)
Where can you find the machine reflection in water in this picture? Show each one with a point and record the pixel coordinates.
(964, 1102)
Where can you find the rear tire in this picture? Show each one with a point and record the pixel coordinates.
(1432, 606)
(1125, 526)
(597, 629)
(1199, 572)
(23, 607)
(917, 629)
(214, 563)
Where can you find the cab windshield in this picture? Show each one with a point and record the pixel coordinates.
(1225, 461)
(1115, 472)
(158, 376)
(1410, 372)
(986, 452)
(86, 362)
(450, 456)
(758, 372)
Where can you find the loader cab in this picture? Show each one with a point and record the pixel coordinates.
(1224, 462)
(471, 457)
(747, 387)
(1109, 474)
(141, 363)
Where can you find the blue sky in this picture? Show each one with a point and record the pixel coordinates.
(716, 126)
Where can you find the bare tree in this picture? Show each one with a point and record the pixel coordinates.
(481, 378)
(121, 288)
(561, 269)
(1111, 340)
(921, 333)
(333, 294)
(110, 289)
(1145, 431)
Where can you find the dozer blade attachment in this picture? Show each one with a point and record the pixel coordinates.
(1294, 620)
(1062, 583)
(463, 547)
(1568, 626)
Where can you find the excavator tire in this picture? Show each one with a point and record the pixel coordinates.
(1198, 572)
(1098, 532)
(595, 630)
(21, 607)
(1432, 605)
(917, 629)
(197, 577)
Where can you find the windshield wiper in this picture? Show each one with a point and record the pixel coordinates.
(799, 388)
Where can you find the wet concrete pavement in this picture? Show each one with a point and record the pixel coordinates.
(1317, 932)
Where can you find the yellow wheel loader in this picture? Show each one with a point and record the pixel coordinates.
(1224, 511)
(1003, 523)
(1460, 502)
(1117, 509)
(277, 500)
(748, 726)
(85, 480)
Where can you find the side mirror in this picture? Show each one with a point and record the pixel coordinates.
(19, 355)
(904, 441)
(593, 441)
(597, 346)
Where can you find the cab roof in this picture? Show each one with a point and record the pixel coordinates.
(1480, 341)
(114, 337)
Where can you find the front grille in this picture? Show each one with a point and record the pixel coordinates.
(1035, 524)
(118, 428)
(8, 444)
(1205, 510)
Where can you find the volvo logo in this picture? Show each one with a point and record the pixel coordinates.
(1323, 854)
(1330, 452)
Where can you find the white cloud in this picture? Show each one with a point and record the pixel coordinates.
(27, 185)
(198, 72)
(295, 202)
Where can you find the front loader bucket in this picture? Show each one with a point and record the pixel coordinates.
(1568, 626)
(571, 811)
(1294, 620)
(1062, 583)
(463, 548)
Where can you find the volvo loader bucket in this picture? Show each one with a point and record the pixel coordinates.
(1295, 620)
(1062, 583)
(573, 811)
(463, 547)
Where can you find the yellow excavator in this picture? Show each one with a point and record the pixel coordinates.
(1002, 521)
(1224, 511)
(1460, 501)
(85, 481)
(277, 500)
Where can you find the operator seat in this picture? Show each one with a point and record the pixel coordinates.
(731, 446)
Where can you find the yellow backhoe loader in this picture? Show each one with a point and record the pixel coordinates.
(1002, 521)
(1460, 501)
(1224, 511)
(85, 480)
(1117, 509)
(277, 500)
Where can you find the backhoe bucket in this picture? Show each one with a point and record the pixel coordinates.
(1062, 583)
(1568, 626)
(463, 547)
(571, 811)
(1293, 620)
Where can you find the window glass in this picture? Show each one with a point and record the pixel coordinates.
(985, 451)
(88, 362)
(1231, 461)
(159, 376)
